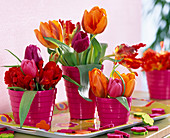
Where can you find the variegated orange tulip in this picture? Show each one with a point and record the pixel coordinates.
(50, 29)
(95, 21)
(130, 82)
(98, 83)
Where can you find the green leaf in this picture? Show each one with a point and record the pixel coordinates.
(71, 80)
(96, 44)
(11, 66)
(70, 59)
(100, 54)
(13, 54)
(111, 59)
(50, 51)
(63, 46)
(103, 51)
(96, 51)
(25, 104)
(84, 79)
(123, 101)
(84, 55)
(16, 88)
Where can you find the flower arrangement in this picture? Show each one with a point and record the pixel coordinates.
(31, 77)
(71, 46)
(119, 86)
(153, 60)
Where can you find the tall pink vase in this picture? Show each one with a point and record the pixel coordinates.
(79, 108)
(111, 111)
(41, 108)
(159, 84)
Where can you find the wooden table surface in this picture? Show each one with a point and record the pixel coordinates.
(164, 124)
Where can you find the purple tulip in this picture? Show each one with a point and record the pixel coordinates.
(29, 67)
(33, 52)
(80, 42)
(114, 87)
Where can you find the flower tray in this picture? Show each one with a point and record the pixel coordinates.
(61, 120)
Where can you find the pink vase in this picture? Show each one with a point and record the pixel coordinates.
(159, 84)
(41, 108)
(79, 108)
(111, 111)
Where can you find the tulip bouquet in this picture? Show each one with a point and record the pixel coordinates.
(31, 77)
(71, 46)
(119, 86)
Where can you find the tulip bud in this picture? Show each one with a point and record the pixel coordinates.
(80, 42)
(114, 87)
(29, 67)
(98, 83)
(33, 52)
(54, 57)
(95, 21)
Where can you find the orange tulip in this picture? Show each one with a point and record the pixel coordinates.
(98, 83)
(50, 29)
(95, 21)
(130, 82)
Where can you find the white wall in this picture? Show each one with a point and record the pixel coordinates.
(20, 18)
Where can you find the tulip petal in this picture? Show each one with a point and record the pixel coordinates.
(101, 25)
(56, 30)
(130, 87)
(116, 90)
(45, 29)
(40, 37)
(42, 40)
(86, 21)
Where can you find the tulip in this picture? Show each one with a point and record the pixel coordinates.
(129, 53)
(114, 87)
(50, 75)
(29, 67)
(33, 52)
(50, 29)
(98, 83)
(80, 42)
(130, 82)
(95, 21)
(69, 30)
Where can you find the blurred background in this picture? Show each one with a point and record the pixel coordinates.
(129, 22)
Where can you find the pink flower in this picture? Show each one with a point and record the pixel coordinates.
(114, 87)
(29, 67)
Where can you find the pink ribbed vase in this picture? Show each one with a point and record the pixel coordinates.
(111, 111)
(41, 108)
(79, 108)
(159, 84)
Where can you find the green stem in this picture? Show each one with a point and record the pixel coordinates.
(123, 82)
(110, 55)
(114, 67)
(92, 37)
(77, 57)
